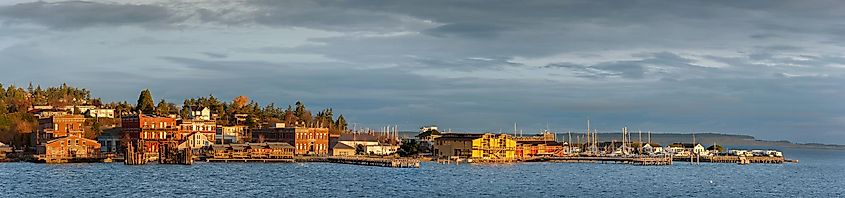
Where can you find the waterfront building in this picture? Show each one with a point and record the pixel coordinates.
(686, 149)
(307, 141)
(268, 150)
(195, 140)
(4, 150)
(152, 130)
(381, 149)
(61, 139)
(341, 149)
(110, 140)
(530, 149)
(204, 127)
(230, 134)
(494, 147)
(355, 139)
(428, 133)
(454, 145)
(478, 147)
(100, 113)
(651, 148)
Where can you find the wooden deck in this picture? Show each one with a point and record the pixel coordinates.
(227, 160)
(383, 162)
(738, 159)
(644, 161)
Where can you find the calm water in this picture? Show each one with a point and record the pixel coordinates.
(820, 174)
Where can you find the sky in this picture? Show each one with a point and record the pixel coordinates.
(772, 69)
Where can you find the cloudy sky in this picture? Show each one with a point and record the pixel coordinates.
(772, 69)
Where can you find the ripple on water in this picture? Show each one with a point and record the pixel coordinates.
(818, 175)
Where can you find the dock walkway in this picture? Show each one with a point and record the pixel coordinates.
(383, 162)
(645, 161)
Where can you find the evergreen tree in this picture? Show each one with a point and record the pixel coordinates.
(145, 103)
(162, 108)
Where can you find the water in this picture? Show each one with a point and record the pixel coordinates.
(819, 174)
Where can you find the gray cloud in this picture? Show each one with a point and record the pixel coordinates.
(772, 69)
(78, 14)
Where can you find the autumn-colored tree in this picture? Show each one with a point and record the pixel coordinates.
(240, 101)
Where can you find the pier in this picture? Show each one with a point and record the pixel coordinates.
(644, 161)
(383, 162)
(746, 160)
(251, 160)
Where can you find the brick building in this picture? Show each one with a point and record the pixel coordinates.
(307, 141)
(61, 139)
(153, 130)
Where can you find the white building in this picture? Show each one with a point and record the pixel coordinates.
(231, 134)
(100, 113)
(652, 148)
(382, 149)
(196, 140)
(200, 113)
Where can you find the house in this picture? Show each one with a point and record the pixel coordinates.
(61, 139)
(4, 150)
(110, 140)
(59, 126)
(307, 141)
(428, 134)
(204, 127)
(200, 113)
(241, 118)
(100, 113)
(68, 148)
(153, 130)
(651, 148)
(73, 109)
(356, 139)
(47, 113)
(195, 140)
(381, 149)
(686, 149)
(477, 147)
(230, 134)
(341, 149)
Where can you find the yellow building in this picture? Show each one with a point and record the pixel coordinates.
(494, 148)
(478, 147)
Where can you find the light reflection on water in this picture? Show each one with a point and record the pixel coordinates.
(819, 174)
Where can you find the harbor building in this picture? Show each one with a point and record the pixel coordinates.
(307, 141)
(230, 134)
(61, 139)
(477, 147)
(341, 149)
(253, 151)
(149, 132)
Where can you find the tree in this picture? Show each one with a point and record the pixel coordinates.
(360, 150)
(145, 102)
(716, 147)
(162, 108)
(240, 101)
(409, 148)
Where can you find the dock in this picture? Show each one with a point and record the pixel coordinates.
(383, 162)
(744, 159)
(642, 161)
(227, 160)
